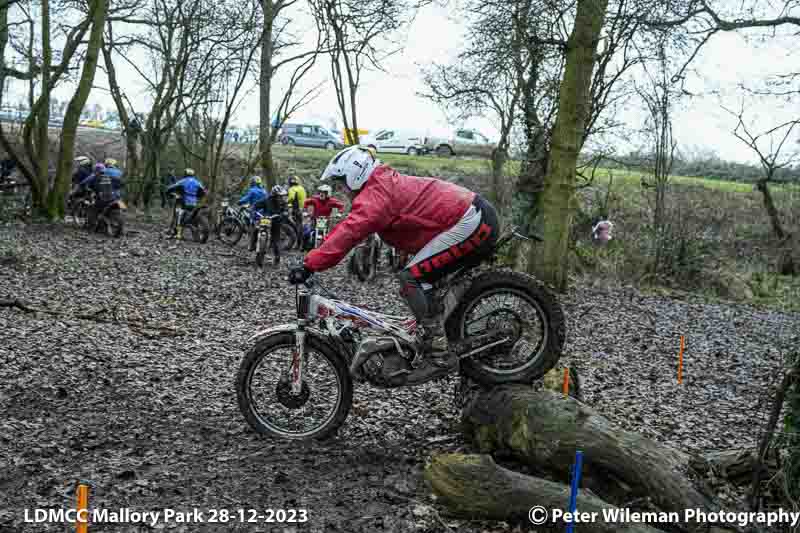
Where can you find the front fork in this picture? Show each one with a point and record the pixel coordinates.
(297, 359)
(299, 355)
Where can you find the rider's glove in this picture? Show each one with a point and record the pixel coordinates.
(299, 275)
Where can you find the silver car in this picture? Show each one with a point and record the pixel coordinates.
(462, 142)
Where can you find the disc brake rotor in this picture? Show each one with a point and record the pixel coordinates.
(283, 391)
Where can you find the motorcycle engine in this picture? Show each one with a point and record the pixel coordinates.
(387, 369)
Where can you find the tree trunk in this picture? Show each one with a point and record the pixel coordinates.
(265, 123)
(132, 170)
(498, 187)
(474, 486)
(72, 116)
(42, 155)
(542, 430)
(550, 263)
(3, 44)
(769, 205)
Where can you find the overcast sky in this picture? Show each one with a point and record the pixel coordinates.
(389, 99)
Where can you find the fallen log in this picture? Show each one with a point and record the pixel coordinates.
(542, 430)
(474, 486)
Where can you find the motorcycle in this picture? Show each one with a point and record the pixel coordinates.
(109, 219)
(78, 211)
(368, 258)
(222, 212)
(194, 219)
(264, 225)
(237, 222)
(314, 237)
(296, 380)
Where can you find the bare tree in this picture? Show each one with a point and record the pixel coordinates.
(488, 76)
(769, 146)
(658, 96)
(279, 47)
(47, 194)
(352, 29)
(203, 132)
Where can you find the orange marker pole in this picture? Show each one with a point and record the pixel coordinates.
(680, 362)
(566, 381)
(82, 522)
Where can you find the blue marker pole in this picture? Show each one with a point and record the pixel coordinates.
(573, 495)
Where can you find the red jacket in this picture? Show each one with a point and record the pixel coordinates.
(323, 209)
(407, 212)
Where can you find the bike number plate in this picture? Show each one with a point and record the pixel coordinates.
(322, 224)
(265, 222)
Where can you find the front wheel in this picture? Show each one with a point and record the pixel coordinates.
(261, 248)
(231, 231)
(523, 307)
(264, 392)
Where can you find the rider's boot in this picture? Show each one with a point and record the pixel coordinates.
(432, 339)
(276, 261)
(434, 345)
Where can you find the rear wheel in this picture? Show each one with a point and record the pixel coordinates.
(115, 224)
(288, 237)
(200, 229)
(264, 392)
(522, 307)
(444, 151)
(412, 151)
(329, 146)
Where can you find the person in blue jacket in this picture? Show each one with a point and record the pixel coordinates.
(256, 194)
(191, 190)
(112, 168)
(107, 189)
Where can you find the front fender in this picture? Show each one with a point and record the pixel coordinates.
(284, 328)
(259, 335)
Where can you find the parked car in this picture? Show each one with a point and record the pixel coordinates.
(462, 142)
(310, 135)
(395, 141)
(8, 114)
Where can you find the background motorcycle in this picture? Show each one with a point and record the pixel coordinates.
(373, 255)
(195, 219)
(237, 222)
(109, 219)
(296, 380)
(322, 227)
(264, 227)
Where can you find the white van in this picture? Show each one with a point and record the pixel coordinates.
(395, 141)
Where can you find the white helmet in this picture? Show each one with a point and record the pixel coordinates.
(353, 165)
(326, 189)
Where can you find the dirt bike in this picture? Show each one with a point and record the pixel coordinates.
(237, 222)
(109, 219)
(222, 212)
(193, 218)
(322, 228)
(78, 211)
(296, 380)
(264, 227)
(371, 256)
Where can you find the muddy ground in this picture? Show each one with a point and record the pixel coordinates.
(148, 412)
